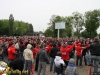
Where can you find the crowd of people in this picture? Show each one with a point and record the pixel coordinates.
(63, 55)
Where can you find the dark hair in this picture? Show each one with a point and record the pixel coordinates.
(0, 48)
(11, 44)
(96, 39)
(41, 46)
(21, 42)
(18, 63)
(58, 53)
(54, 45)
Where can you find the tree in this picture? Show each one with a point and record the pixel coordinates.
(77, 22)
(1, 27)
(53, 20)
(4, 27)
(19, 27)
(92, 22)
(68, 27)
(11, 22)
(48, 32)
(31, 28)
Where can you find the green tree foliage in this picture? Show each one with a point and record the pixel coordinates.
(4, 27)
(67, 32)
(77, 25)
(92, 22)
(22, 28)
(19, 27)
(51, 28)
(78, 22)
(49, 32)
(30, 29)
(68, 27)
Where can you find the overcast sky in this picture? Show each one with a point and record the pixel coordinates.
(39, 12)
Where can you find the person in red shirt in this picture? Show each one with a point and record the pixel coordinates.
(79, 49)
(35, 50)
(65, 52)
(11, 54)
(48, 47)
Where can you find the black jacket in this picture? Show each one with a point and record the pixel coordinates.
(95, 48)
(53, 52)
(21, 47)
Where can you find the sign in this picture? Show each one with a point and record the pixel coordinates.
(60, 25)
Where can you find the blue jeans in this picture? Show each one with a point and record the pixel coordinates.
(58, 73)
(51, 64)
(96, 61)
(28, 65)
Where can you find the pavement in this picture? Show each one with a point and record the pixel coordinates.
(82, 70)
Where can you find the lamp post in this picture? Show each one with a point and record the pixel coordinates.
(11, 22)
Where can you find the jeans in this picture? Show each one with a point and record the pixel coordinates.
(83, 57)
(42, 66)
(28, 65)
(58, 73)
(49, 58)
(79, 58)
(51, 64)
(88, 59)
(96, 61)
(10, 62)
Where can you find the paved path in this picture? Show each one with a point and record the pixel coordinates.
(82, 70)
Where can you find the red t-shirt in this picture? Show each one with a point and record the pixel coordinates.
(35, 52)
(48, 48)
(65, 52)
(11, 51)
(79, 50)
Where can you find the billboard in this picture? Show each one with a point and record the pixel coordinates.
(60, 25)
